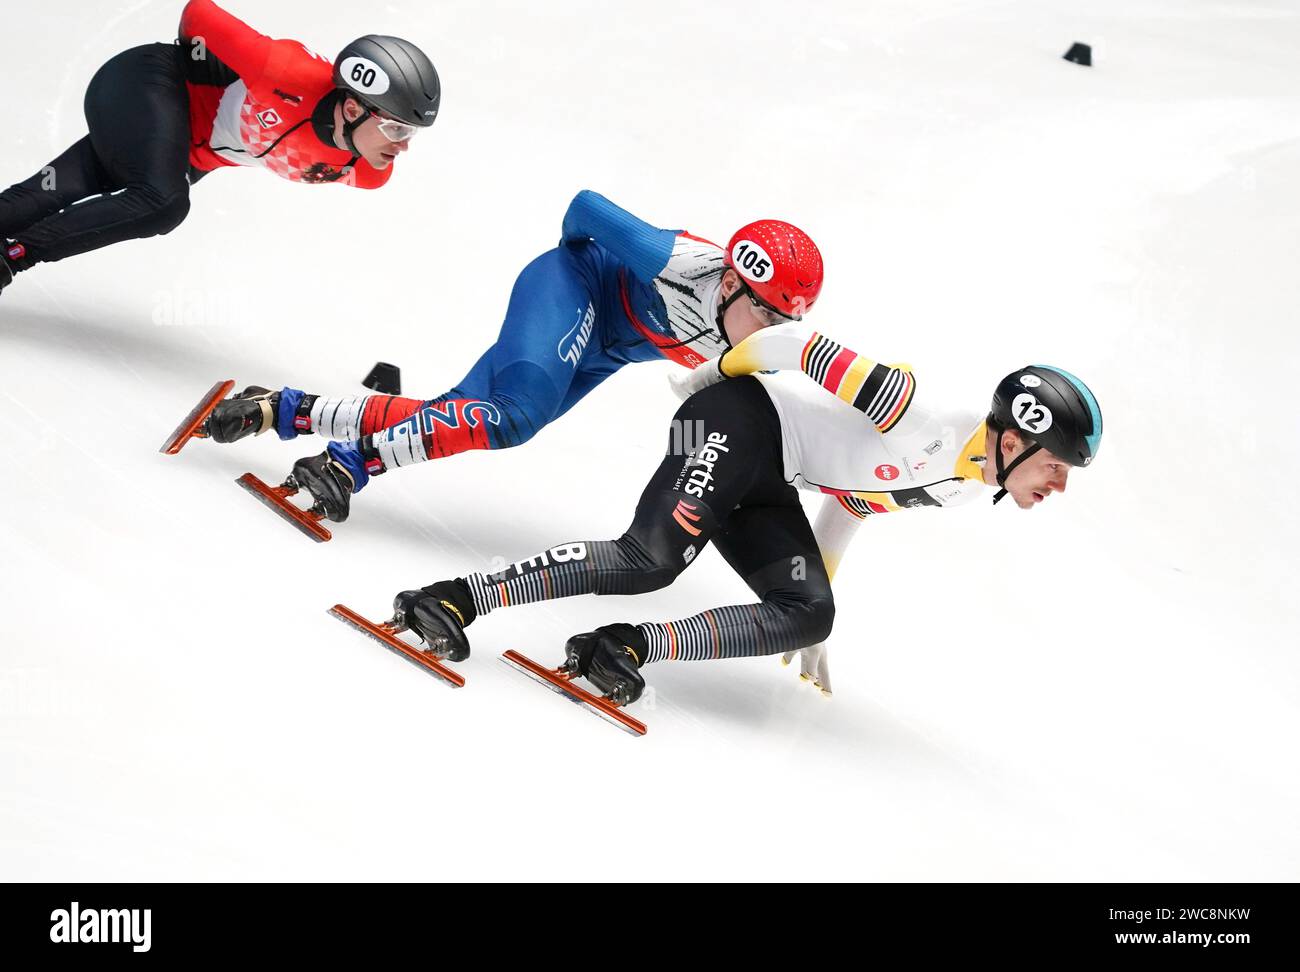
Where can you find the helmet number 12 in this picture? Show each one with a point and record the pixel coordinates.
(1031, 415)
(751, 261)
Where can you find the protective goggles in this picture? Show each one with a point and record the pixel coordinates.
(395, 131)
(765, 312)
(390, 128)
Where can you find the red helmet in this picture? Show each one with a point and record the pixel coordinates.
(780, 265)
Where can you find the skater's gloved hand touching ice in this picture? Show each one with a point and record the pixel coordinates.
(814, 666)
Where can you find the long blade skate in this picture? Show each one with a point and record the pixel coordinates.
(277, 499)
(386, 634)
(561, 680)
(192, 425)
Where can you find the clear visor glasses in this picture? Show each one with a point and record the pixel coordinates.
(392, 129)
(765, 312)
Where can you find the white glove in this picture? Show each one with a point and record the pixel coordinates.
(697, 379)
(814, 666)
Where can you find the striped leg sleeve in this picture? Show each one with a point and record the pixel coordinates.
(737, 631)
(345, 419)
(621, 566)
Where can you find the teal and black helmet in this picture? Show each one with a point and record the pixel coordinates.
(1052, 408)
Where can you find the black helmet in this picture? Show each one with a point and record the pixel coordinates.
(391, 76)
(1052, 409)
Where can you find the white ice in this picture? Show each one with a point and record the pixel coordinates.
(1097, 690)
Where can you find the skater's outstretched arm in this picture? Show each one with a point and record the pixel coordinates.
(836, 526)
(882, 392)
(234, 43)
(642, 248)
(260, 61)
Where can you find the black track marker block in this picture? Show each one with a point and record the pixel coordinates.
(384, 378)
(1079, 54)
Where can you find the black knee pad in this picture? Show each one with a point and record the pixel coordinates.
(171, 213)
(812, 613)
(154, 211)
(649, 562)
(820, 618)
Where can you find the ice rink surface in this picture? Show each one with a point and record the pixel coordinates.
(1101, 689)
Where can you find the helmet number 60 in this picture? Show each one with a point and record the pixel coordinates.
(364, 75)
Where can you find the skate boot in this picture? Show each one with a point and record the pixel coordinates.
(251, 412)
(439, 614)
(605, 658)
(328, 482)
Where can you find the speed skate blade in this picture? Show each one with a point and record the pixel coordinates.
(190, 426)
(562, 683)
(386, 635)
(277, 498)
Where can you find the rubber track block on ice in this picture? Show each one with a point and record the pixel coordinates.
(1079, 54)
(384, 378)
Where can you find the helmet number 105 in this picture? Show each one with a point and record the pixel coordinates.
(751, 261)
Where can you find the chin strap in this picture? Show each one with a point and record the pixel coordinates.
(722, 310)
(1004, 472)
(351, 126)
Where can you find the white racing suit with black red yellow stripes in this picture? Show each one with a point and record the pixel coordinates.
(738, 450)
(911, 452)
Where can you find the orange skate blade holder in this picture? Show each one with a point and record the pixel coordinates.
(561, 681)
(277, 499)
(192, 423)
(386, 634)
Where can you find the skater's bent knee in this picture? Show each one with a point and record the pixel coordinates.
(820, 618)
(653, 575)
(813, 616)
(172, 213)
(524, 398)
(648, 566)
(655, 578)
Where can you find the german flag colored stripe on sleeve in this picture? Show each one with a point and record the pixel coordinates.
(883, 393)
(862, 508)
